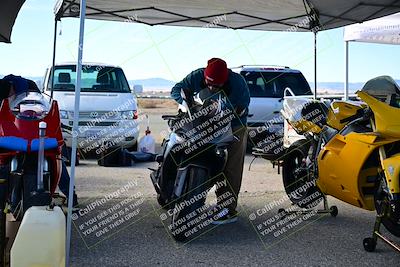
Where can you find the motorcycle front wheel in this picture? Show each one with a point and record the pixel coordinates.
(296, 175)
(195, 186)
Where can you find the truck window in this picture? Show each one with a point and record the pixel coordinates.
(93, 79)
(273, 84)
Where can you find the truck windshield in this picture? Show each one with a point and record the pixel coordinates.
(93, 79)
(273, 84)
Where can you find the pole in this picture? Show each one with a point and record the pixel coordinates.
(54, 58)
(346, 70)
(42, 134)
(75, 127)
(315, 64)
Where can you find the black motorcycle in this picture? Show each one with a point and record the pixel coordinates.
(194, 156)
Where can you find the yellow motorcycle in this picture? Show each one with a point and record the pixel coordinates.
(351, 151)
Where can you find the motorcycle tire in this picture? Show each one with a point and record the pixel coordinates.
(165, 204)
(390, 220)
(294, 176)
(195, 185)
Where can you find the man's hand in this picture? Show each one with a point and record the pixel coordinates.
(240, 111)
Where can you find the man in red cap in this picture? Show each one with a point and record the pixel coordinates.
(217, 78)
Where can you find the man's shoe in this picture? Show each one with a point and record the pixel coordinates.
(225, 216)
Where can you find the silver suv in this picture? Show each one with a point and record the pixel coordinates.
(266, 85)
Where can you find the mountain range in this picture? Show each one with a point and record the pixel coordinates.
(161, 84)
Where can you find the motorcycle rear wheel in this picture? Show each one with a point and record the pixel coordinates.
(295, 175)
(194, 186)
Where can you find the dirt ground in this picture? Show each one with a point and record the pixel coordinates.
(143, 238)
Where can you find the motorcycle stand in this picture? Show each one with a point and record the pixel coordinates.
(333, 210)
(370, 242)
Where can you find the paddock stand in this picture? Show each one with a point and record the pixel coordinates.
(333, 210)
(370, 242)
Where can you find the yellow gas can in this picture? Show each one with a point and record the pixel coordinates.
(40, 241)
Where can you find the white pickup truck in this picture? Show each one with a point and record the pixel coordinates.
(266, 85)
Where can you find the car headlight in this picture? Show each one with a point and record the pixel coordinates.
(63, 114)
(129, 115)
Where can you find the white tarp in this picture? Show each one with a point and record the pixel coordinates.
(279, 15)
(384, 30)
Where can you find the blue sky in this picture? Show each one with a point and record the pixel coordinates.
(172, 52)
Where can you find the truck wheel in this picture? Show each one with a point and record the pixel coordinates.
(195, 186)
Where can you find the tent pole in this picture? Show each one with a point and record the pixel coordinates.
(346, 70)
(75, 130)
(54, 57)
(315, 64)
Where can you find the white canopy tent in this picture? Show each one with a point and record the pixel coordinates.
(384, 30)
(273, 15)
(8, 13)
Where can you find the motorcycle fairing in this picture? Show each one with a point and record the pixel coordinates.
(392, 173)
(11, 126)
(387, 124)
(342, 169)
(386, 117)
(341, 110)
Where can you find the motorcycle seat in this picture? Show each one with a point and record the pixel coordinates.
(49, 143)
(13, 143)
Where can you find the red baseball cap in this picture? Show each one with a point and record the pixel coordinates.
(216, 72)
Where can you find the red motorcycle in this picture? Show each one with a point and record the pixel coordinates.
(30, 162)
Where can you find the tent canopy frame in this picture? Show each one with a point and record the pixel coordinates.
(312, 14)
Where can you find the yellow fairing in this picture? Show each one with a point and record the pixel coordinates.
(392, 172)
(303, 126)
(340, 110)
(342, 170)
(387, 118)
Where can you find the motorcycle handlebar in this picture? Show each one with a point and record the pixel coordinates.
(362, 114)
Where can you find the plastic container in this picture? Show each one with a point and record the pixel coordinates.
(40, 240)
(147, 144)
